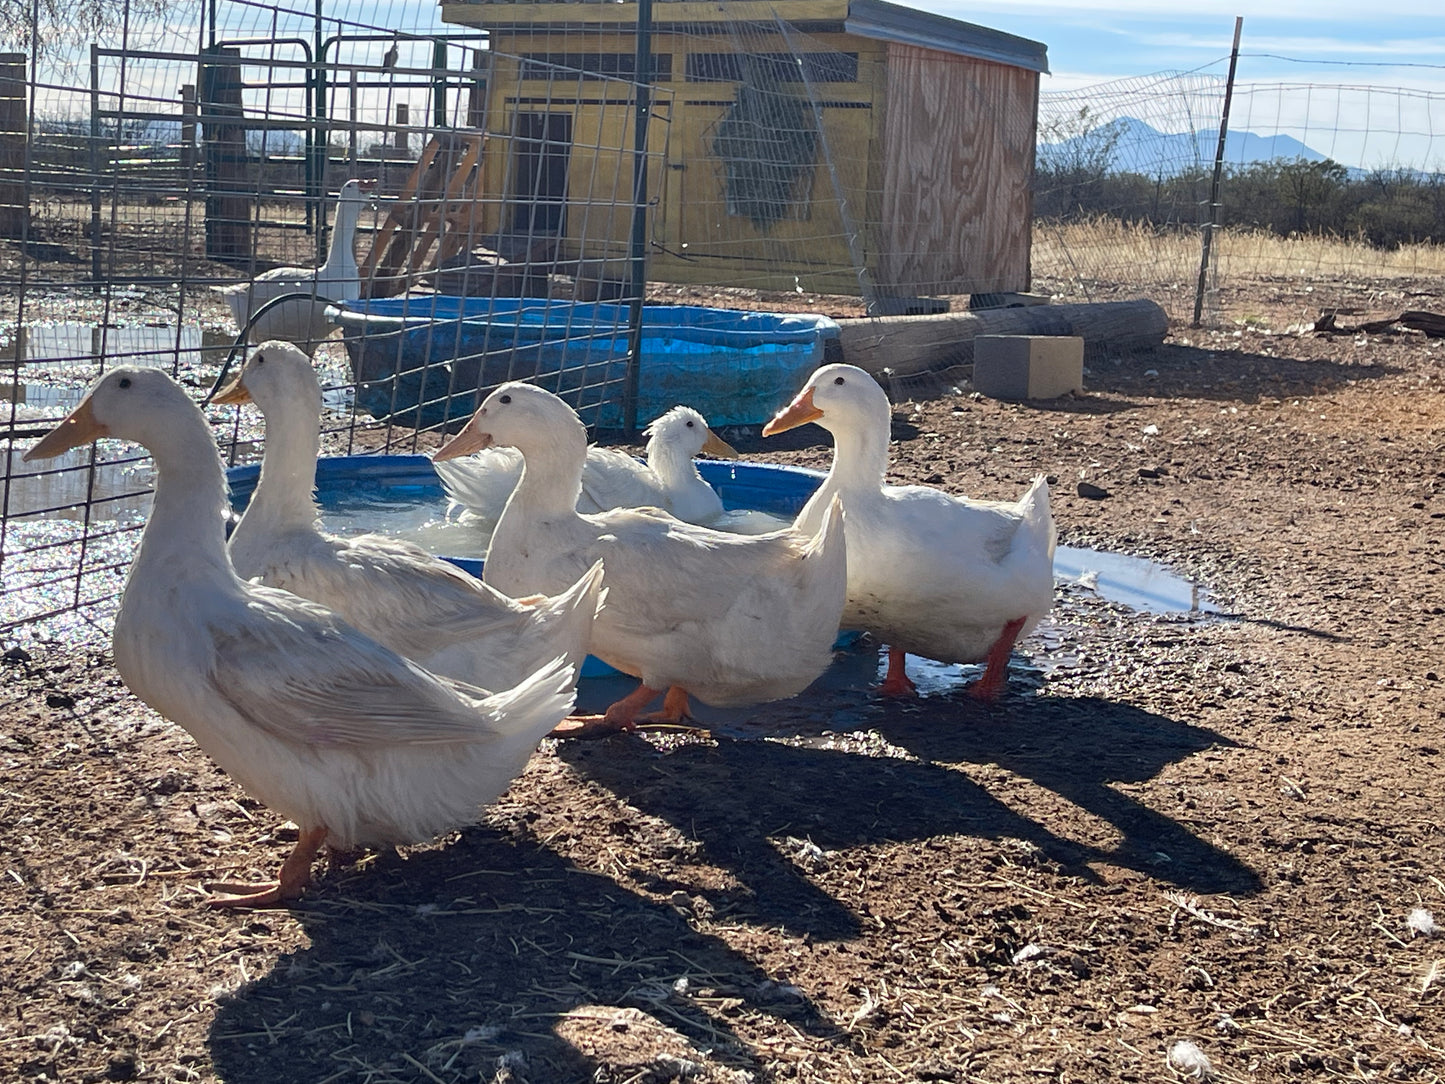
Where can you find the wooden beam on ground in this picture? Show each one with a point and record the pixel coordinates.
(905, 345)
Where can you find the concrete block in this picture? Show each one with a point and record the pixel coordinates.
(1028, 366)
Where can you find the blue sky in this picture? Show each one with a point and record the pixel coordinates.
(1359, 82)
(1096, 40)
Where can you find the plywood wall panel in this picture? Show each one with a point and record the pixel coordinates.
(958, 150)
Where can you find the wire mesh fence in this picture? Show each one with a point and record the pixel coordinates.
(513, 193)
(1124, 173)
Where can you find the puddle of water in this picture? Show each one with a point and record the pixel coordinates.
(1131, 581)
(60, 360)
(54, 364)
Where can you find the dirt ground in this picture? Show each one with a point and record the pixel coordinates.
(1175, 839)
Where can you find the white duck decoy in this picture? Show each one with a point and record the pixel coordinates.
(668, 480)
(732, 619)
(395, 592)
(946, 577)
(338, 279)
(345, 737)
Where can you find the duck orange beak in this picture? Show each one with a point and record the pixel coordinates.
(233, 394)
(718, 448)
(800, 411)
(470, 439)
(79, 427)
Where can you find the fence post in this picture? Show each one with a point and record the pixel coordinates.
(14, 207)
(351, 127)
(96, 244)
(642, 115)
(477, 91)
(1208, 241)
(228, 211)
(403, 119)
(188, 127)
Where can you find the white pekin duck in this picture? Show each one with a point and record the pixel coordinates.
(946, 577)
(395, 592)
(732, 619)
(338, 279)
(668, 480)
(345, 737)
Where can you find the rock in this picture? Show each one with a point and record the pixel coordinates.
(1092, 492)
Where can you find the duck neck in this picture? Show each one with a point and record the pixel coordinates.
(860, 456)
(551, 478)
(670, 463)
(186, 531)
(285, 492)
(343, 234)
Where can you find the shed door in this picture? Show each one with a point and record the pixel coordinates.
(539, 179)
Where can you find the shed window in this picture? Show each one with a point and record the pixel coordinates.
(779, 67)
(605, 65)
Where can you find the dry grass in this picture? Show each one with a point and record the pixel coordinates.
(1105, 256)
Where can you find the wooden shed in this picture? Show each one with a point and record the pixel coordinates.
(917, 169)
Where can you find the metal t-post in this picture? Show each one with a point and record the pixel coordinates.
(1218, 171)
(643, 95)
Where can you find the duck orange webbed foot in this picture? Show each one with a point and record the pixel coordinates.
(897, 683)
(619, 718)
(995, 673)
(295, 876)
(248, 895)
(675, 712)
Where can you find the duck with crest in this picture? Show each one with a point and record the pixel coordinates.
(669, 480)
(352, 742)
(732, 619)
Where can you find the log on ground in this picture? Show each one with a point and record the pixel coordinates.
(905, 345)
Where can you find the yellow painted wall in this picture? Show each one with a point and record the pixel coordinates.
(693, 238)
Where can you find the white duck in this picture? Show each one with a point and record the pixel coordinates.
(395, 592)
(668, 480)
(338, 279)
(731, 619)
(343, 736)
(945, 577)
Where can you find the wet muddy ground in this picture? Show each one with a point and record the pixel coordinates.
(1176, 838)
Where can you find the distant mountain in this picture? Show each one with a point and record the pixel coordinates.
(1141, 148)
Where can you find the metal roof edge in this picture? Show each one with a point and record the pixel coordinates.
(883, 21)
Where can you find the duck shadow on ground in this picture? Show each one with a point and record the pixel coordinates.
(856, 770)
(437, 965)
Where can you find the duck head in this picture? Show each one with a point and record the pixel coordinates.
(277, 374)
(520, 416)
(836, 397)
(128, 403)
(686, 430)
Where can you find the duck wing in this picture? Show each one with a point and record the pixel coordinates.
(403, 595)
(613, 479)
(481, 483)
(295, 672)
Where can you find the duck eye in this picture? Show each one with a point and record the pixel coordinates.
(124, 382)
(691, 426)
(839, 380)
(505, 399)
